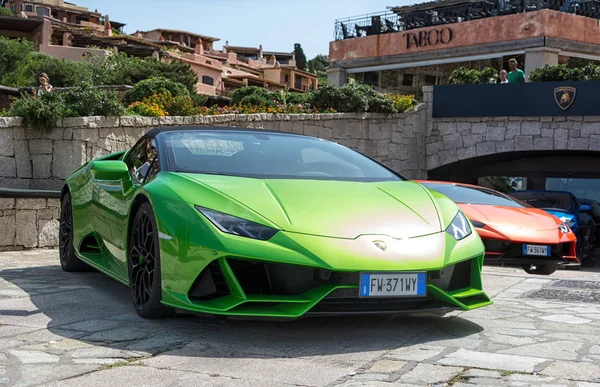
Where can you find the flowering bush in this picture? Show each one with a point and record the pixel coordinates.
(163, 104)
(403, 103)
(277, 108)
(148, 109)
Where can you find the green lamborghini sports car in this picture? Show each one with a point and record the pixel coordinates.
(241, 222)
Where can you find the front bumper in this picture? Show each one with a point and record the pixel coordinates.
(506, 252)
(285, 278)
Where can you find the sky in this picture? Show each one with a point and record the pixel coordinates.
(276, 24)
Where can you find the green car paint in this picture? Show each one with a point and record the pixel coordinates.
(319, 225)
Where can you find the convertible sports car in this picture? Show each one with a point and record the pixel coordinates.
(513, 232)
(567, 207)
(256, 223)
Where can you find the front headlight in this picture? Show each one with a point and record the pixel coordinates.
(477, 224)
(459, 228)
(564, 228)
(237, 226)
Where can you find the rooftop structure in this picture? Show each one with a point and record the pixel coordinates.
(405, 48)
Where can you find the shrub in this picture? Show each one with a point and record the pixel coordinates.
(253, 95)
(549, 73)
(155, 85)
(6, 12)
(62, 72)
(13, 52)
(121, 69)
(248, 109)
(464, 75)
(403, 103)
(147, 109)
(351, 98)
(86, 101)
(43, 111)
(165, 104)
(4, 113)
(39, 113)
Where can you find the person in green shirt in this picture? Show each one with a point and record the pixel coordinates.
(515, 75)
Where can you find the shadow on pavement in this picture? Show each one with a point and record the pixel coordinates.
(94, 309)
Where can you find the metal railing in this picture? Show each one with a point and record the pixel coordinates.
(446, 12)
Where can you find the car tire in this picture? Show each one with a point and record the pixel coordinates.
(68, 260)
(540, 269)
(144, 265)
(588, 258)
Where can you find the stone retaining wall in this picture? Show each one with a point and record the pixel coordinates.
(39, 159)
(455, 139)
(28, 222)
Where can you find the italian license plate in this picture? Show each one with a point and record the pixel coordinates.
(393, 284)
(536, 250)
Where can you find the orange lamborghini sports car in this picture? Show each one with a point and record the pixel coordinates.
(513, 232)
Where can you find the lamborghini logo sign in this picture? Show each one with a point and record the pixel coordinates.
(380, 245)
(564, 96)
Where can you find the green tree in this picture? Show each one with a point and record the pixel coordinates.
(300, 57)
(62, 72)
(6, 12)
(12, 53)
(319, 63)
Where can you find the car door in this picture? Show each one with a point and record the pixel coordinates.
(113, 200)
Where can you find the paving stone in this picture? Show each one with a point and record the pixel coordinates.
(387, 366)
(573, 370)
(418, 352)
(477, 373)
(119, 334)
(566, 319)
(430, 374)
(484, 381)
(519, 332)
(103, 352)
(530, 378)
(560, 350)
(511, 340)
(91, 325)
(370, 376)
(467, 358)
(30, 357)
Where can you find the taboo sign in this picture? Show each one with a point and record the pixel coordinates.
(428, 38)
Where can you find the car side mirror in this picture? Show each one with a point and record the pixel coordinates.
(109, 170)
(585, 208)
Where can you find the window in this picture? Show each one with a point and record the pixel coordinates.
(28, 8)
(208, 80)
(268, 156)
(42, 11)
(407, 80)
(142, 161)
(473, 195)
(286, 79)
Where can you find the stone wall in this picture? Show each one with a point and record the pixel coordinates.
(38, 159)
(28, 222)
(453, 139)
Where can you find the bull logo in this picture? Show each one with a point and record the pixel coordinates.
(564, 96)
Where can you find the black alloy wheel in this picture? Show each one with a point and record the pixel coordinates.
(144, 265)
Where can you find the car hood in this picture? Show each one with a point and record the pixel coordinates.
(505, 219)
(341, 209)
(564, 216)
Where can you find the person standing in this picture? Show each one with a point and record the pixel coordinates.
(45, 86)
(516, 75)
(503, 76)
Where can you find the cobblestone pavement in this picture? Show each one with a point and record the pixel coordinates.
(80, 329)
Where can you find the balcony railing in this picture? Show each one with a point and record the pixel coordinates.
(452, 11)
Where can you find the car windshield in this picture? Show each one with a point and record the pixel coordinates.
(546, 200)
(473, 195)
(268, 156)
